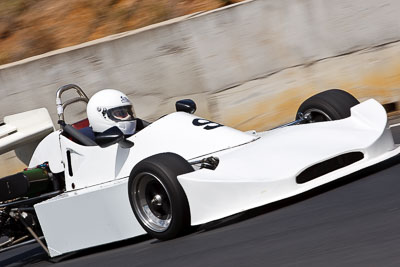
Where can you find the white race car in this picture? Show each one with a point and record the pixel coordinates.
(82, 190)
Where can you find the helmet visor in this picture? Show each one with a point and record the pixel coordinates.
(124, 113)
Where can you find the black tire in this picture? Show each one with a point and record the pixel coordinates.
(157, 198)
(334, 104)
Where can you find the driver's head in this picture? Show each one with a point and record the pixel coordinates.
(108, 108)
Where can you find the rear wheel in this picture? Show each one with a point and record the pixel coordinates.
(334, 104)
(157, 198)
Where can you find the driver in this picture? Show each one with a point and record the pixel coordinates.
(108, 108)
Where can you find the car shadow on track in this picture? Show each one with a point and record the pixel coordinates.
(29, 256)
(99, 249)
(298, 198)
(36, 255)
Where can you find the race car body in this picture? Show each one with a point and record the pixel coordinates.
(287, 161)
(123, 190)
(91, 165)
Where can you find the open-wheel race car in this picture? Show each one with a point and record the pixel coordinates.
(82, 189)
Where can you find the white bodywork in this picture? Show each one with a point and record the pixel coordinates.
(265, 171)
(22, 132)
(255, 169)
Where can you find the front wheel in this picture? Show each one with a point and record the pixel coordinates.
(157, 199)
(334, 104)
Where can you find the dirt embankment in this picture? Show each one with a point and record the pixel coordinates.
(32, 27)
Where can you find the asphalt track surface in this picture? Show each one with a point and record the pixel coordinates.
(351, 222)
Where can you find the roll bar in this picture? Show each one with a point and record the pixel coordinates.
(61, 106)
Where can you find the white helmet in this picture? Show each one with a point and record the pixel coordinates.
(108, 108)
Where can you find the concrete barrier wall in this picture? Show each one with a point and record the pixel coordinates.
(263, 103)
(262, 37)
(247, 65)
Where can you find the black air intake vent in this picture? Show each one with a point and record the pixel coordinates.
(328, 166)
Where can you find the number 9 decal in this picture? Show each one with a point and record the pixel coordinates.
(208, 125)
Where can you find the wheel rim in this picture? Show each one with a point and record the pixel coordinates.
(151, 202)
(316, 115)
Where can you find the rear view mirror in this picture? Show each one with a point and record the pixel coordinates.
(109, 137)
(186, 105)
